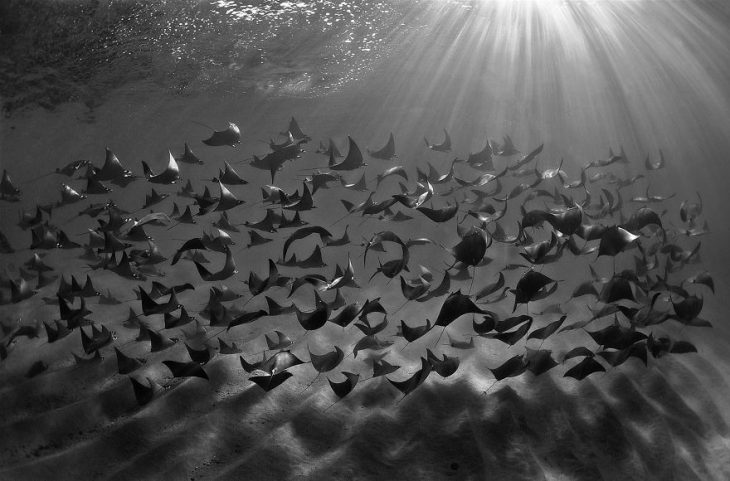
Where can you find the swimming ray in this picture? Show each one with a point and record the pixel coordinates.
(383, 368)
(444, 146)
(281, 341)
(181, 320)
(296, 132)
(387, 152)
(72, 167)
(370, 330)
(539, 361)
(323, 233)
(230, 176)
(199, 356)
(56, 333)
(99, 338)
(154, 198)
(455, 306)
(112, 170)
(69, 196)
(224, 223)
(440, 290)
(268, 382)
(370, 343)
(526, 159)
(158, 342)
(407, 386)
(512, 367)
(228, 269)
(246, 318)
(342, 389)
(186, 369)
(439, 215)
(472, 247)
(230, 136)
(703, 278)
(226, 200)
(529, 286)
(345, 279)
(488, 324)
(584, 368)
(353, 160)
(94, 186)
(411, 334)
(170, 175)
(615, 240)
(315, 319)
(360, 185)
(126, 364)
(443, 367)
(328, 361)
(413, 291)
(143, 393)
(276, 309)
(547, 331)
(267, 224)
(188, 157)
(306, 202)
(346, 315)
(481, 160)
(225, 348)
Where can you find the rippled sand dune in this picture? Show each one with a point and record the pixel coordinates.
(580, 77)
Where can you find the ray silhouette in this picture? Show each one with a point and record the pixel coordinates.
(246, 318)
(154, 198)
(348, 314)
(444, 146)
(170, 175)
(323, 233)
(315, 319)
(513, 367)
(342, 389)
(407, 386)
(441, 215)
(231, 136)
(200, 356)
(385, 153)
(481, 160)
(225, 348)
(328, 361)
(189, 157)
(526, 159)
(229, 176)
(296, 132)
(370, 343)
(56, 332)
(228, 269)
(267, 382)
(98, 339)
(584, 368)
(352, 161)
(158, 342)
(112, 170)
(412, 291)
(186, 369)
(443, 367)
(126, 364)
(472, 247)
(529, 286)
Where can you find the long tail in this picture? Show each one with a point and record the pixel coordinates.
(204, 125)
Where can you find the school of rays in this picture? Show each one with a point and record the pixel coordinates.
(514, 222)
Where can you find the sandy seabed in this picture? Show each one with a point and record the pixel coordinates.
(667, 420)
